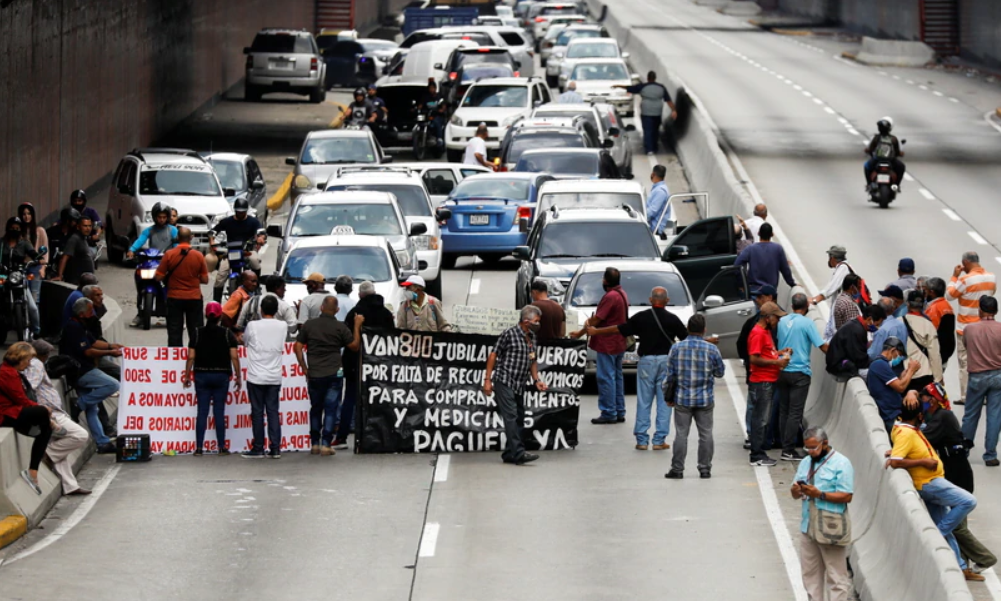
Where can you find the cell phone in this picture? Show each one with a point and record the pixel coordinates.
(801, 482)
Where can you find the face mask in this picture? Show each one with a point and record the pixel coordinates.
(413, 296)
(605, 286)
(896, 361)
(925, 407)
(535, 327)
(820, 456)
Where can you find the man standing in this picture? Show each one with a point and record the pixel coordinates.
(969, 282)
(890, 327)
(613, 310)
(265, 341)
(658, 329)
(423, 312)
(845, 308)
(248, 288)
(343, 286)
(905, 275)
(836, 260)
(239, 228)
(554, 318)
(693, 366)
(766, 363)
(798, 333)
(762, 295)
(886, 387)
(939, 311)
(922, 343)
(93, 385)
(895, 295)
(309, 307)
(658, 207)
(187, 271)
(827, 479)
(570, 96)
(476, 149)
(765, 260)
(753, 224)
(77, 259)
(508, 368)
(325, 338)
(983, 347)
(274, 285)
(653, 98)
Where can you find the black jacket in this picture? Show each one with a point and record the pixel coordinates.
(947, 337)
(943, 431)
(373, 309)
(848, 350)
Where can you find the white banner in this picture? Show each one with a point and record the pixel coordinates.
(483, 320)
(153, 401)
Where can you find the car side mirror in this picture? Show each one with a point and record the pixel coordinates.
(614, 131)
(416, 229)
(523, 225)
(630, 128)
(522, 253)
(228, 192)
(439, 66)
(386, 160)
(443, 214)
(422, 265)
(290, 161)
(608, 143)
(517, 65)
(274, 231)
(676, 252)
(257, 184)
(711, 302)
(625, 55)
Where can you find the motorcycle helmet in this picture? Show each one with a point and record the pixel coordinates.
(937, 392)
(78, 195)
(241, 205)
(160, 208)
(360, 92)
(69, 214)
(11, 223)
(885, 126)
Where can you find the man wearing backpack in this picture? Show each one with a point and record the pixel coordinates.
(274, 285)
(422, 312)
(837, 259)
(884, 147)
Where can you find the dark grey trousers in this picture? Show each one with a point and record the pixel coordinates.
(683, 417)
(511, 406)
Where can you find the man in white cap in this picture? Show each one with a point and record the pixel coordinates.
(422, 312)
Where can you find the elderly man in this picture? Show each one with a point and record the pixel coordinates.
(886, 386)
(796, 332)
(905, 275)
(845, 308)
(274, 285)
(343, 286)
(67, 435)
(248, 288)
(983, 347)
(476, 148)
(570, 96)
(969, 282)
(316, 291)
(509, 366)
(838, 261)
(422, 312)
(847, 352)
(92, 384)
(891, 327)
(922, 342)
(753, 224)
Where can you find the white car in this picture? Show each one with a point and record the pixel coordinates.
(496, 102)
(596, 80)
(587, 48)
(361, 258)
(415, 204)
(512, 38)
(591, 194)
(554, 57)
(179, 178)
(549, 10)
(325, 151)
(441, 178)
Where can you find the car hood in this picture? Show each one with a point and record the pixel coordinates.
(192, 205)
(586, 87)
(390, 291)
(491, 113)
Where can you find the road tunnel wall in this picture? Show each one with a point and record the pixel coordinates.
(84, 81)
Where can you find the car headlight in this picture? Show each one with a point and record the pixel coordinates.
(456, 120)
(16, 278)
(148, 217)
(301, 182)
(147, 274)
(426, 242)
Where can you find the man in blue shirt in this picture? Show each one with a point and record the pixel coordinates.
(891, 327)
(886, 387)
(657, 202)
(799, 333)
(765, 260)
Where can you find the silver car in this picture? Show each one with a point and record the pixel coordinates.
(242, 174)
(610, 127)
(285, 60)
(327, 150)
(554, 58)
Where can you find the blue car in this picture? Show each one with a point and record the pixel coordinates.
(486, 215)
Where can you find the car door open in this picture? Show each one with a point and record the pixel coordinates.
(702, 249)
(726, 304)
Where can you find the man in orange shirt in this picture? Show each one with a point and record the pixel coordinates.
(969, 282)
(939, 311)
(247, 289)
(184, 271)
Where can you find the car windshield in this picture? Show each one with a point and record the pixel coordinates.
(327, 151)
(365, 219)
(554, 162)
(515, 189)
(529, 140)
(230, 173)
(358, 262)
(597, 239)
(496, 96)
(281, 42)
(593, 72)
(178, 182)
(576, 200)
(558, 10)
(377, 46)
(413, 200)
(587, 290)
(566, 36)
(602, 50)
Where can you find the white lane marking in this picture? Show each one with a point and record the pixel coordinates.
(908, 177)
(926, 193)
(951, 214)
(843, 121)
(828, 110)
(474, 286)
(797, 87)
(925, 88)
(807, 94)
(883, 73)
(998, 259)
(937, 93)
(441, 468)
(977, 238)
(989, 118)
(896, 77)
(853, 131)
(951, 99)
(910, 82)
(818, 101)
(75, 518)
(429, 540)
(993, 585)
(771, 502)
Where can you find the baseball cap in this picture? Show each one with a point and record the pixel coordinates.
(894, 343)
(838, 252)
(893, 292)
(315, 277)
(213, 309)
(767, 289)
(771, 309)
(906, 264)
(415, 280)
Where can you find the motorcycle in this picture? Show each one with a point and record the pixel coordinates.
(153, 293)
(237, 253)
(14, 299)
(424, 139)
(883, 184)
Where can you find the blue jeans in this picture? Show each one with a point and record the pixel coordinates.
(93, 387)
(650, 374)
(264, 398)
(35, 285)
(984, 388)
(347, 422)
(611, 387)
(761, 397)
(948, 505)
(651, 132)
(324, 404)
(211, 388)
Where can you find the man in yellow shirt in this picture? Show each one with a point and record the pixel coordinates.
(948, 505)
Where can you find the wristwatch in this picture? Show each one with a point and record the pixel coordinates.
(823, 496)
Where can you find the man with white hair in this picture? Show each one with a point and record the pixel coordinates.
(570, 96)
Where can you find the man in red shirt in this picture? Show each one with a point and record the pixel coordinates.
(613, 310)
(766, 363)
(185, 270)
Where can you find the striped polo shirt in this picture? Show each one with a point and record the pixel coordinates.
(968, 288)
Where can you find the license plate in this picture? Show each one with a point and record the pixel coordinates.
(281, 65)
(235, 255)
(479, 220)
(405, 135)
(883, 178)
(631, 358)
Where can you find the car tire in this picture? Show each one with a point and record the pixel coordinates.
(454, 156)
(491, 258)
(434, 287)
(252, 93)
(448, 261)
(317, 95)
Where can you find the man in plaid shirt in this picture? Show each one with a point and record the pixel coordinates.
(508, 368)
(693, 365)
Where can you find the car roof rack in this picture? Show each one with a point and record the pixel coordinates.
(140, 152)
(375, 169)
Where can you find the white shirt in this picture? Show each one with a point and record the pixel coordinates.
(344, 306)
(285, 313)
(475, 146)
(837, 279)
(265, 342)
(754, 224)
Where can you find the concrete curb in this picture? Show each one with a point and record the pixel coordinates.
(278, 198)
(894, 53)
(12, 528)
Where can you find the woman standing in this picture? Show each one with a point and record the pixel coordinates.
(21, 413)
(37, 237)
(213, 355)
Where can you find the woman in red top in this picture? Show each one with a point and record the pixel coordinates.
(21, 413)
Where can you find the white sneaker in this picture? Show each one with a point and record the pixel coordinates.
(136, 322)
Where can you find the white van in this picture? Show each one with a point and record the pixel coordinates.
(427, 59)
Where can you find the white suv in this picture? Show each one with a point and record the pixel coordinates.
(180, 178)
(496, 102)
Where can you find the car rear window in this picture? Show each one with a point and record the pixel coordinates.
(566, 36)
(637, 285)
(360, 263)
(559, 10)
(597, 239)
(476, 58)
(496, 96)
(514, 189)
(512, 38)
(598, 72)
(528, 140)
(480, 38)
(281, 42)
(603, 50)
(413, 200)
(332, 151)
(584, 164)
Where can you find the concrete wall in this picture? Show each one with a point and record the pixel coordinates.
(980, 31)
(369, 14)
(84, 81)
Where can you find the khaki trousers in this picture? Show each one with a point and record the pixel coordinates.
(59, 449)
(825, 567)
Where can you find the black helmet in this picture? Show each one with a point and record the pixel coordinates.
(69, 214)
(159, 208)
(885, 126)
(360, 92)
(78, 194)
(241, 205)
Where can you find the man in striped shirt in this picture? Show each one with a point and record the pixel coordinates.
(969, 282)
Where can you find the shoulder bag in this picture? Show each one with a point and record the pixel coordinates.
(630, 340)
(827, 527)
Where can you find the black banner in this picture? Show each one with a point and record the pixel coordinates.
(422, 392)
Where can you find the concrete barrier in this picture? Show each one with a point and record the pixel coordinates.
(741, 8)
(894, 53)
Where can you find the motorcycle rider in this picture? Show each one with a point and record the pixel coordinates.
(59, 233)
(15, 251)
(382, 113)
(436, 108)
(78, 201)
(362, 111)
(884, 146)
(238, 227)
(162, 236)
